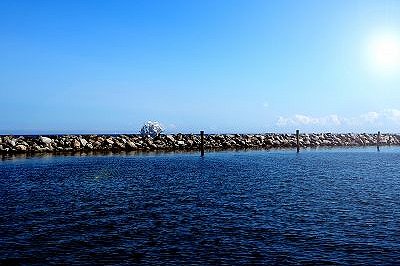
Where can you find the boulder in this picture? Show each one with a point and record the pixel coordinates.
(45, 140)
(76, 144)
(130, 145)
(83, 142)
(21, 148)
(120, 145)
(170, 138)
(96, 144)
(36, 147)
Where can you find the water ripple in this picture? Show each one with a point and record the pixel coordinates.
(324, 207)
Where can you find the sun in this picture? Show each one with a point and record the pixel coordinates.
(384, 53)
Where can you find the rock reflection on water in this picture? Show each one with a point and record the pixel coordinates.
(228, 208)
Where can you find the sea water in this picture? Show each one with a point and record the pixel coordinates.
(337, 206)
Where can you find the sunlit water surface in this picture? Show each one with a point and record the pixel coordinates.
(337, 206)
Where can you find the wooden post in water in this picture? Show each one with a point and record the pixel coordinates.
(378, 140)
(297, 141)
(202, 143)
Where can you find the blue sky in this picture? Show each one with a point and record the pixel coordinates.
(221, 66)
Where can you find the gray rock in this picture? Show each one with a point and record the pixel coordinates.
(120, 145)
(76, 144)
(45, 140)
(131, 145)
(21, 148)
(83, 142)
(96, 144)
(170, 138)
(24, 143)
(326, 142)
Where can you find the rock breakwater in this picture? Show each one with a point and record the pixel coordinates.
(76, 143)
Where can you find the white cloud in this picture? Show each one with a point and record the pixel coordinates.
(300, 119)
(369, 118)
(335, 119)
(392, 114)
(282, 121)
(171, 126)
(305, 120)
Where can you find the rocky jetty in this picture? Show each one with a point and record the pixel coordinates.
(106, 143)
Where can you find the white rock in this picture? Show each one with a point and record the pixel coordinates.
(152, 129)
(21, 148)
(45, 140)
(76, 144)
(170, 138)
(83, 142)
(131, 145)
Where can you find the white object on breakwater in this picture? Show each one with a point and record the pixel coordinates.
(152, 129)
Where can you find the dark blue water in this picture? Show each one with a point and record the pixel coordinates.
(229, 208)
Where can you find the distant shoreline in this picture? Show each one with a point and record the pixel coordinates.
(185, 142)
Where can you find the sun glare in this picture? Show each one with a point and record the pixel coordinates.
(384, 53)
